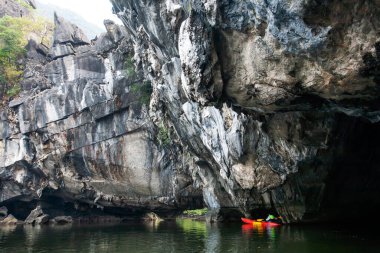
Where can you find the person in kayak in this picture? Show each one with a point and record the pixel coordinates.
(272, 218)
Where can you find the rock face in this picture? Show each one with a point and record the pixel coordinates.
(79, 139)
(16, 8)
(66, 32)
(252, 107)
(277, 102)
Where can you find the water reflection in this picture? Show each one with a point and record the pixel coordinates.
(192, 227)
(183, 236)
(260, 229)
(213, 240)
(152, 225)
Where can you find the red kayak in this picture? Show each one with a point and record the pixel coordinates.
(248, 221)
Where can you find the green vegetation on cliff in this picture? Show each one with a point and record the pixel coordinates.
(163, 135)
(24, 4)
(14, 35)
(143, 91)
(196, 212)
(130, 68)
(11, 51)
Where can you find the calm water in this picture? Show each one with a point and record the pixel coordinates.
(186, 236)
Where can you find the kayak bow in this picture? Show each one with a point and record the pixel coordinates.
(248, 221)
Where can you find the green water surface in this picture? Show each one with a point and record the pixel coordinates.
(187, 236)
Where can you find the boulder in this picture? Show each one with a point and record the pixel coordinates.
(9, 220)
(36, 51)
(37, 217)
(152, 217)
(61, 220)
(44, 219)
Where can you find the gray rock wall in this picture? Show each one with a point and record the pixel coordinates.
(275, 100)
(255, 107)
(84, 136)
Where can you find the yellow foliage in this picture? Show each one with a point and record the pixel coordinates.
(12, 73)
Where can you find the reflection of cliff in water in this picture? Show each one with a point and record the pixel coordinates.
(185, 236)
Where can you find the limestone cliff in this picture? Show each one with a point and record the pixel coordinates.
(253, 107)
(79, 140)
(276, 101)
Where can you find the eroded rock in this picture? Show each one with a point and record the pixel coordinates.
(9, 220)
(82, 139)
(62, 220)
(294, 76)
(66, 32)
(37, 217)
(152, 217)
